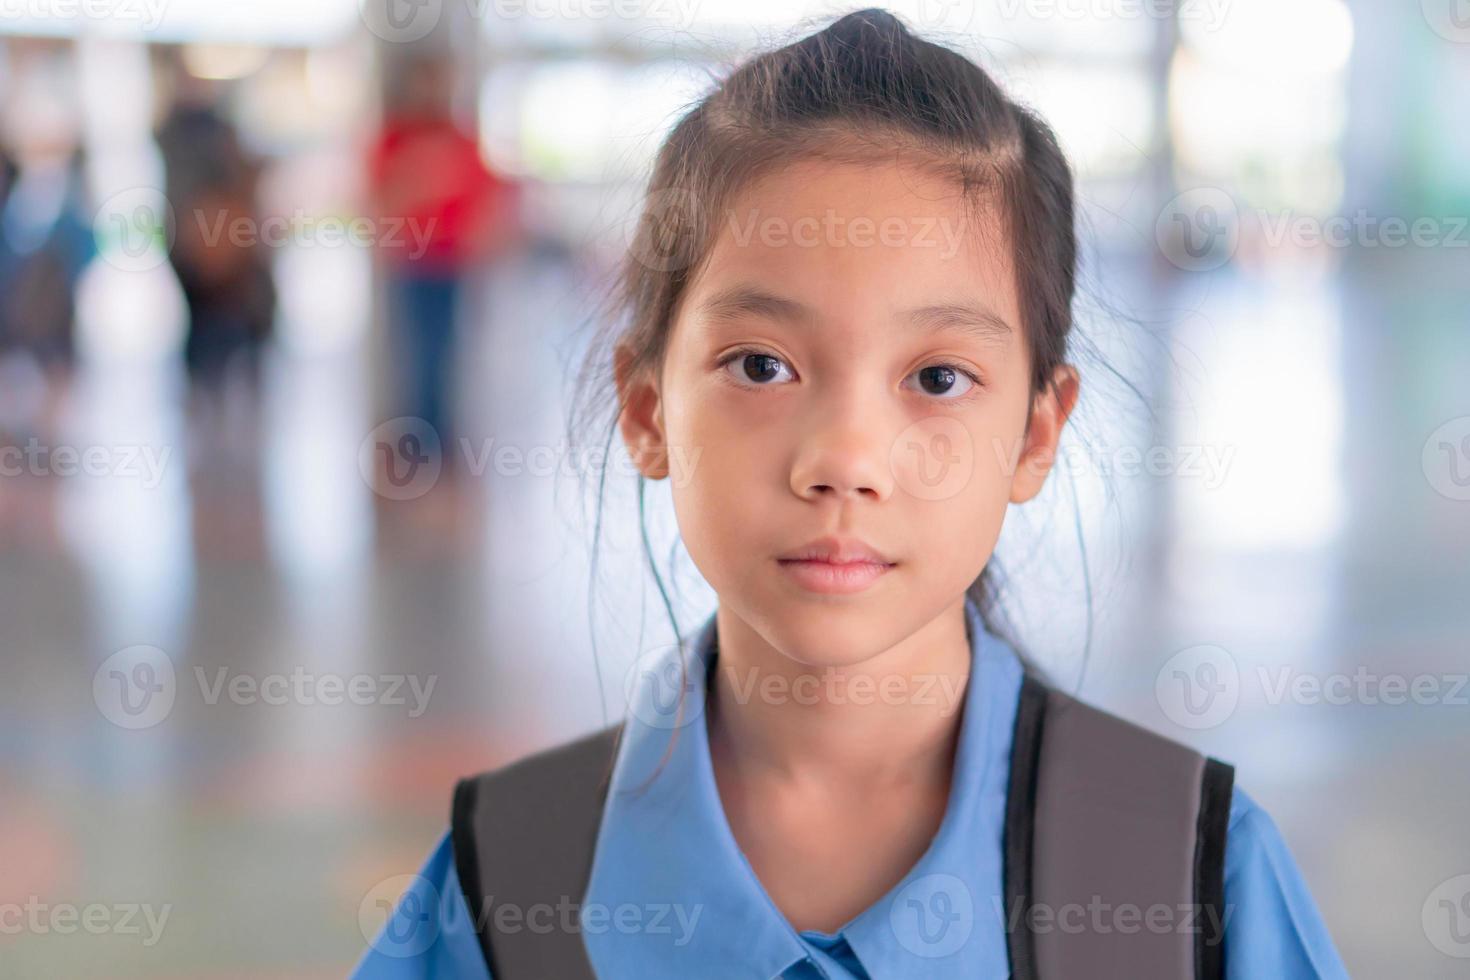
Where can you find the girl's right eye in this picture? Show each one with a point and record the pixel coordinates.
(757, 368)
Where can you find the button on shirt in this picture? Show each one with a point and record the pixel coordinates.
(674, 897)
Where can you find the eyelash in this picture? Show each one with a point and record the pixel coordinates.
(741, 352)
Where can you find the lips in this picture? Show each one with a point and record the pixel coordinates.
(837, 551)
(835, 565)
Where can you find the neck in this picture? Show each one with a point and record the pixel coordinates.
(891, 718)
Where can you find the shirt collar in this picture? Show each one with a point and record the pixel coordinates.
(675, 897)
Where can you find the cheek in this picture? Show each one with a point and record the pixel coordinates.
(707, 422)
(942, 457)
(954, 479)
(739, 437)
(724, 465)
(957, 533)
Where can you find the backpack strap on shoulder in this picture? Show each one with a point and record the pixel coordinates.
(1114, 847)
(529, 830)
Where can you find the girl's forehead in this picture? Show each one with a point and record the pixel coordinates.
(899, 184)
(842, 235)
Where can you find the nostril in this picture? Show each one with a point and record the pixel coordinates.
(826, 488)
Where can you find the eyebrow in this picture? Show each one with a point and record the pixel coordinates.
(738, 301)
(976, 321)
(734, 302)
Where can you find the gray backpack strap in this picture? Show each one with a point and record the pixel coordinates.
(528, 831)
(1105, 821)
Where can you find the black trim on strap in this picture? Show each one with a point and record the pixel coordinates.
(1019, 834)
(525, 835)
(467, 860)
(1209, 869)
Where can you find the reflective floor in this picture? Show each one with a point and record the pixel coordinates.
(338, 658)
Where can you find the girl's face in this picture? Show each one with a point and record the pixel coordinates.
(846, 378)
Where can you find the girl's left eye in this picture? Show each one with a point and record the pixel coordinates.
(942, 380)
(756, 368)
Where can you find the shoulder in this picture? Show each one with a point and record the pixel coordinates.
(1272, 925)
(427, 931)
(1254, 844)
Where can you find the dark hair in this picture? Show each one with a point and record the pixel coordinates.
(862, 89)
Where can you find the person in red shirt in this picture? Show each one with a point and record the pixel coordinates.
(440, 212)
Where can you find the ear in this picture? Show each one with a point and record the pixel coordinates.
(640, 417)
(1049, 411)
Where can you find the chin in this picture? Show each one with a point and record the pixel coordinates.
(832, 631)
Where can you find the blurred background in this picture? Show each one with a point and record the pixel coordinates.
(292, 295)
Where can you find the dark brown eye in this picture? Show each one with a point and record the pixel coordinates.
(758, 368)
(761, 367)
(942, 380)
(937, 379)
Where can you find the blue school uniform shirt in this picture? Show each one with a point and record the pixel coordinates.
(671, 895)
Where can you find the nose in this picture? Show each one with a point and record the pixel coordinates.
(844, 453)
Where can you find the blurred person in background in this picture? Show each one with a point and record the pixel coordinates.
(211, 182)
(441, 215)
(45, 242)
(226, 278)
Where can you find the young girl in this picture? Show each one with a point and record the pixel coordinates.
(849, 309)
